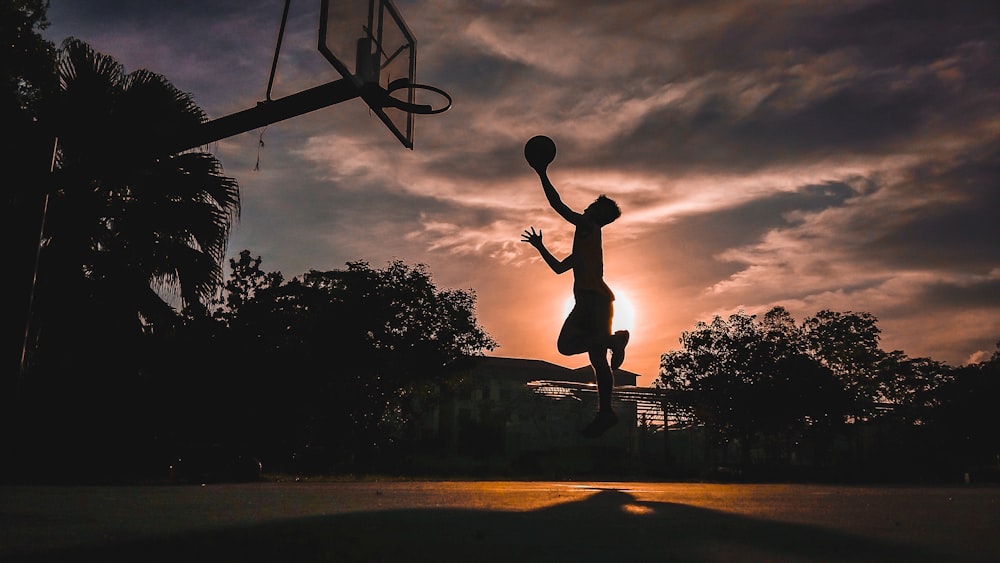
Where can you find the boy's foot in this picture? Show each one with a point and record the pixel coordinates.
(619, 340)
(603, 421)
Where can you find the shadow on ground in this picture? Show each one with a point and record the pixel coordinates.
(607, 526)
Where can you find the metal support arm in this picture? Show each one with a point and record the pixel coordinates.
(268, 112)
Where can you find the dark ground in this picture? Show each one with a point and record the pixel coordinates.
(512, 522)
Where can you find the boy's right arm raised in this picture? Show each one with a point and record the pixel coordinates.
(555, 201)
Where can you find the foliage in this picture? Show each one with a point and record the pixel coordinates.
(848, 344)
(126, 223)
(791, 389)
(330, 361)
(964, 409)
(244, 284)
(26, 69)
(746, 380)
(27, 78)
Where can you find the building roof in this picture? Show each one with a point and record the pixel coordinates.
(585, 374)
(526, 370)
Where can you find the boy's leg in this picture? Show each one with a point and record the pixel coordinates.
(619, 340)
(572, 337)
(605, 378)
(606, 418)
(588, 329)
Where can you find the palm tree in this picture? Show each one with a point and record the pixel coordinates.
(127, 221)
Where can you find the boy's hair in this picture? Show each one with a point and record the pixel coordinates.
(608, 210)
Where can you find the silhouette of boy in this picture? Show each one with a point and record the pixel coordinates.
(587, 329)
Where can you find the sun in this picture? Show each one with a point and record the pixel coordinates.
(624, 313)
(624, 318)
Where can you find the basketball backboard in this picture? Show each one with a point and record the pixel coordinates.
(368, 42)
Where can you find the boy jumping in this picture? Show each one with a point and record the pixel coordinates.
(588, 326)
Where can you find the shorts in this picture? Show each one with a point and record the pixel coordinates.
(591, 315)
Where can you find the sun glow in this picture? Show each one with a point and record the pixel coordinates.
(624, 318)
(624, 313)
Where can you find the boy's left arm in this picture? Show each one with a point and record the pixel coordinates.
(535, 239)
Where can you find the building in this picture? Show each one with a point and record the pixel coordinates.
(526, 415)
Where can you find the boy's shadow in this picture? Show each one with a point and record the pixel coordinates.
(609, 525)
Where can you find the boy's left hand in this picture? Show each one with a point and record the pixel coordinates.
(532, 238)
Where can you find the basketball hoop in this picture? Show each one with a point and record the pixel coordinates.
(373, 50)
(376, 96)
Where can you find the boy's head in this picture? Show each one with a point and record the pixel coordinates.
(604, 210)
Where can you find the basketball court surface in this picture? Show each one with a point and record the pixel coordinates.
(515, 522)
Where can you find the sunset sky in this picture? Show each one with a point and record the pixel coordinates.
(817, 155)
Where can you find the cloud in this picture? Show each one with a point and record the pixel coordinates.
(809, 154)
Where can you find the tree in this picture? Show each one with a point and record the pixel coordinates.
(27, 68)
(718, 365)
(334, 359)
(383, 334)
(909, 383)
(127, 223)
(754, 382)
(126, 227)
(848, 344)
(245, 283)
(778, 328)
(27, 78)
(964, 409)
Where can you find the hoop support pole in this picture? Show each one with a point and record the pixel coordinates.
(266, 113)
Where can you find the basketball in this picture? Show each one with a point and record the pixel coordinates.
(539, 151)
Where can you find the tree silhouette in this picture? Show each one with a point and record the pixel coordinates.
(824, 385)
(127, 223)
(332, 361)
(848, 344)
(909, 384)
(964, 408)
(27, 79)
(131, 234)
(245, 282)
(754, 383)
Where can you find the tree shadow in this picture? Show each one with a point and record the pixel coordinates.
(609, 525)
